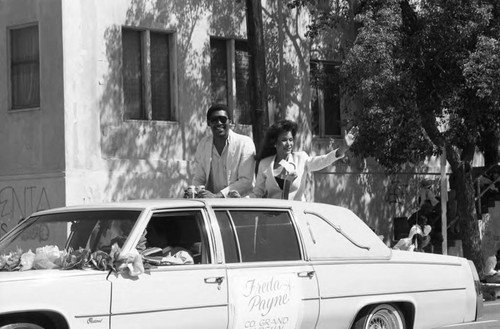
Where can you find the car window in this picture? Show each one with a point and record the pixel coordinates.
(106, 233)
(176, 238)
(93, 230)
(259, 235)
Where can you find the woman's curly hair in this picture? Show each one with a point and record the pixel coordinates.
(272, 134)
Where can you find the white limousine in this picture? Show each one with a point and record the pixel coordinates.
(222, 263)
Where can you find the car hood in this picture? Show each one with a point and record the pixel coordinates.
(52, 274)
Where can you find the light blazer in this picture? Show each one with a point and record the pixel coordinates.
(240, 163)
(266, 185)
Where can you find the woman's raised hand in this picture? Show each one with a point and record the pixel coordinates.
(350, 136)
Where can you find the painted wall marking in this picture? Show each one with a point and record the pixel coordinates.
(18, 204)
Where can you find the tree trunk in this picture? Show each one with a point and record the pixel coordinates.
(255, 34)
(469, 229)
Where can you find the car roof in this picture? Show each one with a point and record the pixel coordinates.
(152, 204)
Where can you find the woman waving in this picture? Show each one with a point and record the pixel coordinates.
(282, 171)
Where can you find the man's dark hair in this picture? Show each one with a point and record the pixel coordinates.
(218, 107)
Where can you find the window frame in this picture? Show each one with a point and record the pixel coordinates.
(206, 235)
(321, 102)
(145, 48)
(231, 87)
(223, 236)
(10, 87)
(235, 236)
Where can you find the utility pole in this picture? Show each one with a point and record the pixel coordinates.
(258, 96)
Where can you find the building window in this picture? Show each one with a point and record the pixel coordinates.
(325, 98)
(230, 76)
(149, 79)
(24, 68)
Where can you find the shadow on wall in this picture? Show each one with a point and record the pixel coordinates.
(151, 159)
(294, 68)
(288, 75)
(377, 198)
(356, 192)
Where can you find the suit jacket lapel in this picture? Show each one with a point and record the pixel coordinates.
(231, 161)
(208, 162)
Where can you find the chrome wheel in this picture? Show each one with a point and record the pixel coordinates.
(384, 316)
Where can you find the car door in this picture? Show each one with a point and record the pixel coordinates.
(270, 285)
(174, 296)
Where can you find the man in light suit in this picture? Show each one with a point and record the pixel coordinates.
(225, 161)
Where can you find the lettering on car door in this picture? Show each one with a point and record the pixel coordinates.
(270, 285)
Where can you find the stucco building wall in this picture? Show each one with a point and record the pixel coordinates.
(32, 144)
(126, 159)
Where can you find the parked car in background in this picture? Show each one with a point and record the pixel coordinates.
(222, 263)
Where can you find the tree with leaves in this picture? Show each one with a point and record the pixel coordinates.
(427, 76)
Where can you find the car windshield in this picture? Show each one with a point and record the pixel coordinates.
(93, 230)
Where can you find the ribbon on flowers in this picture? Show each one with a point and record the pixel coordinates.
(289, 177)
(131, 262)
(289, 167)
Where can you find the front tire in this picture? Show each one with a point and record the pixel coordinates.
(383, 316)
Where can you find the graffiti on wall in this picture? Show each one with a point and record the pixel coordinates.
(18, 203)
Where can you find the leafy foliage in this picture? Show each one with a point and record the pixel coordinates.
(323, 16)
(427, 76)
(414, 62)
(426, 72)
(376, 71)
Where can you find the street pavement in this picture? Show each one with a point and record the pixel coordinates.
(489, 320)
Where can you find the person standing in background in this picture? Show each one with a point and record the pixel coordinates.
(492, 268)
